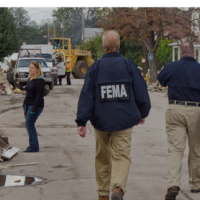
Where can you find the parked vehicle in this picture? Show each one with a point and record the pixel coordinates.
(18, 72)
(80, 58)
(46, 53)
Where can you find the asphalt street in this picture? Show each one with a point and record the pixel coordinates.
(66, 161)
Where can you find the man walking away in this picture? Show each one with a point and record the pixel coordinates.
(114, 98)
(182, 119)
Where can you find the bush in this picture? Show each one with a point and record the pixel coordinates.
(131, 51)
(95, 46)
(164, 53)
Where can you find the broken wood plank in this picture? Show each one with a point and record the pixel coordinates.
(22, 164)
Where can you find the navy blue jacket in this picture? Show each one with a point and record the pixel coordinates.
(183, 79)
(114, 96)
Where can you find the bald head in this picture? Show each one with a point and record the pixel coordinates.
(111, 41)
(187, 49)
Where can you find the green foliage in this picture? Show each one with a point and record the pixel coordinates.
(164, 53)
(127, 49)
(72, 20)
(72, 23)
(8, 33)
(28, 31)
(95, 46)
(131, 51)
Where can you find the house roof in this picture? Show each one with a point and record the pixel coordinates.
(91, 32)
(196, 44)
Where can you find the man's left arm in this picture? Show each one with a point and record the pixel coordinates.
(86, 103)
(141, 94)
(165, 75)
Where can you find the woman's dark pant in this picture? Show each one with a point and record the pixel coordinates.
(68, 78)
(30, 126)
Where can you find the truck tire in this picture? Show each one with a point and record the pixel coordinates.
(80, 69)
(55, 81)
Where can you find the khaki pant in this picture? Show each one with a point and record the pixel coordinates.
(182, 121)
(112, 160)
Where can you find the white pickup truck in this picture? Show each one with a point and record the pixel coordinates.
(45, 51)
(18, 76)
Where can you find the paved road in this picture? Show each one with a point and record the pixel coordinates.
(66, 161)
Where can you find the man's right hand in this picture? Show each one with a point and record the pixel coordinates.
(81, 131)
(142, 121)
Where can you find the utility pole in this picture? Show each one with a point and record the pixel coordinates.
(62, 27)
(83, 32)
(54, 31)
(48, 33)
(73, 26)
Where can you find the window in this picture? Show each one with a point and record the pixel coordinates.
(26, 63)
(65, 44)
(197, 55)
(57, 44)
(175, 54)
(47, 57)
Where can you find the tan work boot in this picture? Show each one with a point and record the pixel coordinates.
(172, 192)
(117, 194)
(103, 197)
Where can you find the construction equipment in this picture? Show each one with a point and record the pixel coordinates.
(80, 58)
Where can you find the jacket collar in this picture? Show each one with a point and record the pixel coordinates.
(188, 58)
(111, 55)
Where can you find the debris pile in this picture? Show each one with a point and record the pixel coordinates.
(5, 87)
(156, 87)
(7, 151)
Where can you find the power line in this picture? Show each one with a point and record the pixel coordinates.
(34, 17)
(39, 9)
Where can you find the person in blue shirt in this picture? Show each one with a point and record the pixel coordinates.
(114, 98)
(182, 118)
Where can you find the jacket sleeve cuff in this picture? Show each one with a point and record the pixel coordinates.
(81, 125)
(80, 122)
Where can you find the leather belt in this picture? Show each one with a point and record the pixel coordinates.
(185, 103)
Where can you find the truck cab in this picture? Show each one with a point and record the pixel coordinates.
(50, 63)
(45, 51)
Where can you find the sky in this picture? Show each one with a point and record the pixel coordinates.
(38, 13)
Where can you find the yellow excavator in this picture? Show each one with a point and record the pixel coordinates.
(80, 58)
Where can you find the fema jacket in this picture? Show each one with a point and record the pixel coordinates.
(182, 78)
(114, 96)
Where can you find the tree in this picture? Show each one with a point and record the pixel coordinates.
(68, 22)
(164, 53)
(21, 20)
(95, 46)
(149, 26)
(28, 31)
(131, 51)
(72, 22)
(8, 33)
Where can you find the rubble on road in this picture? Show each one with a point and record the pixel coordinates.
(156, 87)
(5, 87)
(6, 151)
